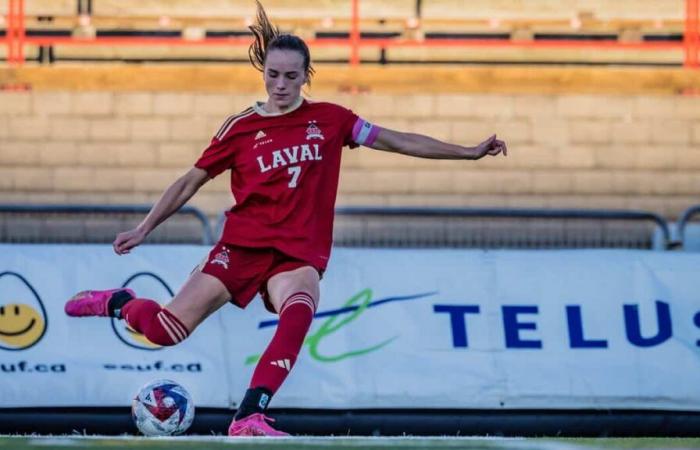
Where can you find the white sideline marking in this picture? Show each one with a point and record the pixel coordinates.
(518, 443)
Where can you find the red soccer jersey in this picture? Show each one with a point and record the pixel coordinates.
(284, 176)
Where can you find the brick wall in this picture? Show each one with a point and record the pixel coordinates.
(610, 151)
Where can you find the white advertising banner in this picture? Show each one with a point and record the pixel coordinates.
(395, 329)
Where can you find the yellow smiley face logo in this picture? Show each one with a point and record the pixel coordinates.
(22, 314)
(20, 326)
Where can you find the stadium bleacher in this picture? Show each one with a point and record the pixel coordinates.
(584, 138)
(519, 22)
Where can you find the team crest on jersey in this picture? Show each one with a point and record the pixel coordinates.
(313, 131)
(221, 258)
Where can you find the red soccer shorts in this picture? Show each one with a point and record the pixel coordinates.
(245, 270)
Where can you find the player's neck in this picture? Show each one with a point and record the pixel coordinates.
(271, 108)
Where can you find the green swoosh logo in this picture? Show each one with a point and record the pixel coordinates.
(362, 299)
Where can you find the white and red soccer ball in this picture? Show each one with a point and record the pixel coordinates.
(162, 408)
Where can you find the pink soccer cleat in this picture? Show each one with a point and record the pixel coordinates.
(96, 303)
(254, 425)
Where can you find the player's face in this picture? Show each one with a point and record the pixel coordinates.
(284, 76)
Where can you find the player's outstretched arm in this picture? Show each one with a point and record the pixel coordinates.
(426, 147)
(172, 199)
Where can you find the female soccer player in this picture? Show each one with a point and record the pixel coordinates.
(284, 157)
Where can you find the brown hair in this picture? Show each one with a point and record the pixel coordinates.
(268, 37)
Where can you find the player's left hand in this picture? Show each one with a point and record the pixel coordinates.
(490, 146)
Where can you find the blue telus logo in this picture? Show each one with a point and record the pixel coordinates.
(515, 319)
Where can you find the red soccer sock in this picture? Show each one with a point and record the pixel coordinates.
(158, 324)
(281, 354)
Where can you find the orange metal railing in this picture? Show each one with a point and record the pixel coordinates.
(355, 34)
(15, 34)
(16, 39)
(691, 37)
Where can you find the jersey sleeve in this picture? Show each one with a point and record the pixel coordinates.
(347, 122)
(217, 157)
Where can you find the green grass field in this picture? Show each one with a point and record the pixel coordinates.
(334, 443)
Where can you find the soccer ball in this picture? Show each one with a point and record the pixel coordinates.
(162, 408)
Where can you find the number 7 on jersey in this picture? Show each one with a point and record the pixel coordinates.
(294, 171)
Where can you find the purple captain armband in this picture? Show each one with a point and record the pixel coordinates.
(364, 133)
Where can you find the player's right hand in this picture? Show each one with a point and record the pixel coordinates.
(127, 240)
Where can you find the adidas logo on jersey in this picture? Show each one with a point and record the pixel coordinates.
(283, 363)
(261, 134)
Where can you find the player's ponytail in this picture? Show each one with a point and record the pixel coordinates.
(264, 33)
(268, 37)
